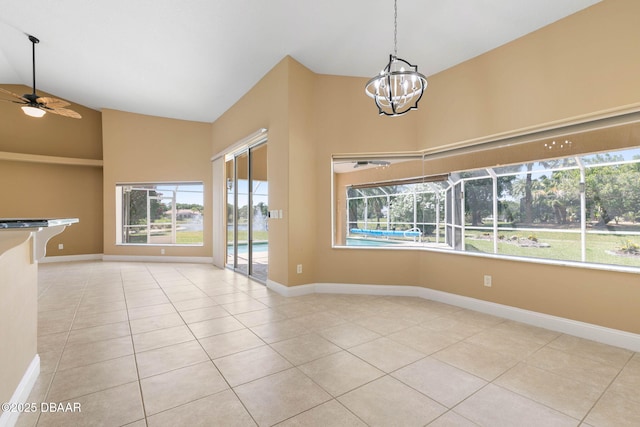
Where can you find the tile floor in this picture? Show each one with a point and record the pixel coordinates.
(191, 345)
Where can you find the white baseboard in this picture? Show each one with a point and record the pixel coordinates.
(160, 258)
(21, 394)
(588, 331)
(70, 258)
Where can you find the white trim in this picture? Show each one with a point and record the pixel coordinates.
(161, 258)
(246, 142)
(22, 392)
(588, 331)
(51, 160)
(70, 258)
(290, 291)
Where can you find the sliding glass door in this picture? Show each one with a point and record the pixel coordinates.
(247, 212)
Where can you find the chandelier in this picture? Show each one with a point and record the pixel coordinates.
(399, 86)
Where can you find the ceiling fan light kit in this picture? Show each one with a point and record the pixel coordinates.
(399, 86)
(36, 106)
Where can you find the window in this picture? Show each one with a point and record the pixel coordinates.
(159, 214)
(580, 207)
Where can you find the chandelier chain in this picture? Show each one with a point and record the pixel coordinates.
(395, 28)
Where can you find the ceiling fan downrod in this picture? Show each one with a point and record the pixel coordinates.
(33, 40)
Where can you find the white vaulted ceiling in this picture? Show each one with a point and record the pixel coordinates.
(193, 59)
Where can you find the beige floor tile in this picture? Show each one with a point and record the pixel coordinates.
(181, 288)
(221, 409)
(506, 342)
(192, 304)
(162, 338)
(165, 359)
(259, 317)
(574, 366)
(331, 413)
(566, 395)
(144, 293)
(388, 402)
(245, 306)
(386, 354)
(246, 366)
(232, 342)
(185, 296)
(75, 382)
(86, 354)
(52, 342)
(96, 307)
(203, 313)
(149, 311)
(279, 331)
(88, 321)
(99, 333)
(280, 396)
(522, 331)
(217, 326)
(443, 383)
(137, 302)
(476, 360)
(604, 353)
(305, 348)
(229, 298)
(175, 388)
(320, 320)
(273, 300)
(340, 372)
(115, 406)
(384, 325)
(217, 289)
(451, 419)
(614, 410)
(424, 340)
(347, 335)
(454, 327)
(627, 384)
(496, 407)
(153, 323)
(49, 361)
(292, 309)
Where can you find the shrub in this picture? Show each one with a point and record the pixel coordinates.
(630, 247)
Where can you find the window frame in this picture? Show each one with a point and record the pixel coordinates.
(491, 172)
(120, 214)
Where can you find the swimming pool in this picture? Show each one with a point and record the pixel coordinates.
(369, 242)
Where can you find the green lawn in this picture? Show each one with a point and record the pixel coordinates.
(563, 246)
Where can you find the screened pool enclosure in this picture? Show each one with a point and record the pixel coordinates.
(580, 208)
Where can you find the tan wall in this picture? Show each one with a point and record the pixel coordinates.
(582, 64)
(140, 148)
(51, 190)
(18, 312)
(303, 204)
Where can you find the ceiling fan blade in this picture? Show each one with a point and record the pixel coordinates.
(63, 112)
(8, 92)
(52, 102)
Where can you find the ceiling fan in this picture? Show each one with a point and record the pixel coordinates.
(36, 106)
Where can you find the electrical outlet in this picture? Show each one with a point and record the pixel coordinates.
(162, 251)
(487, 281)
(299, 268)
(60, 246)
